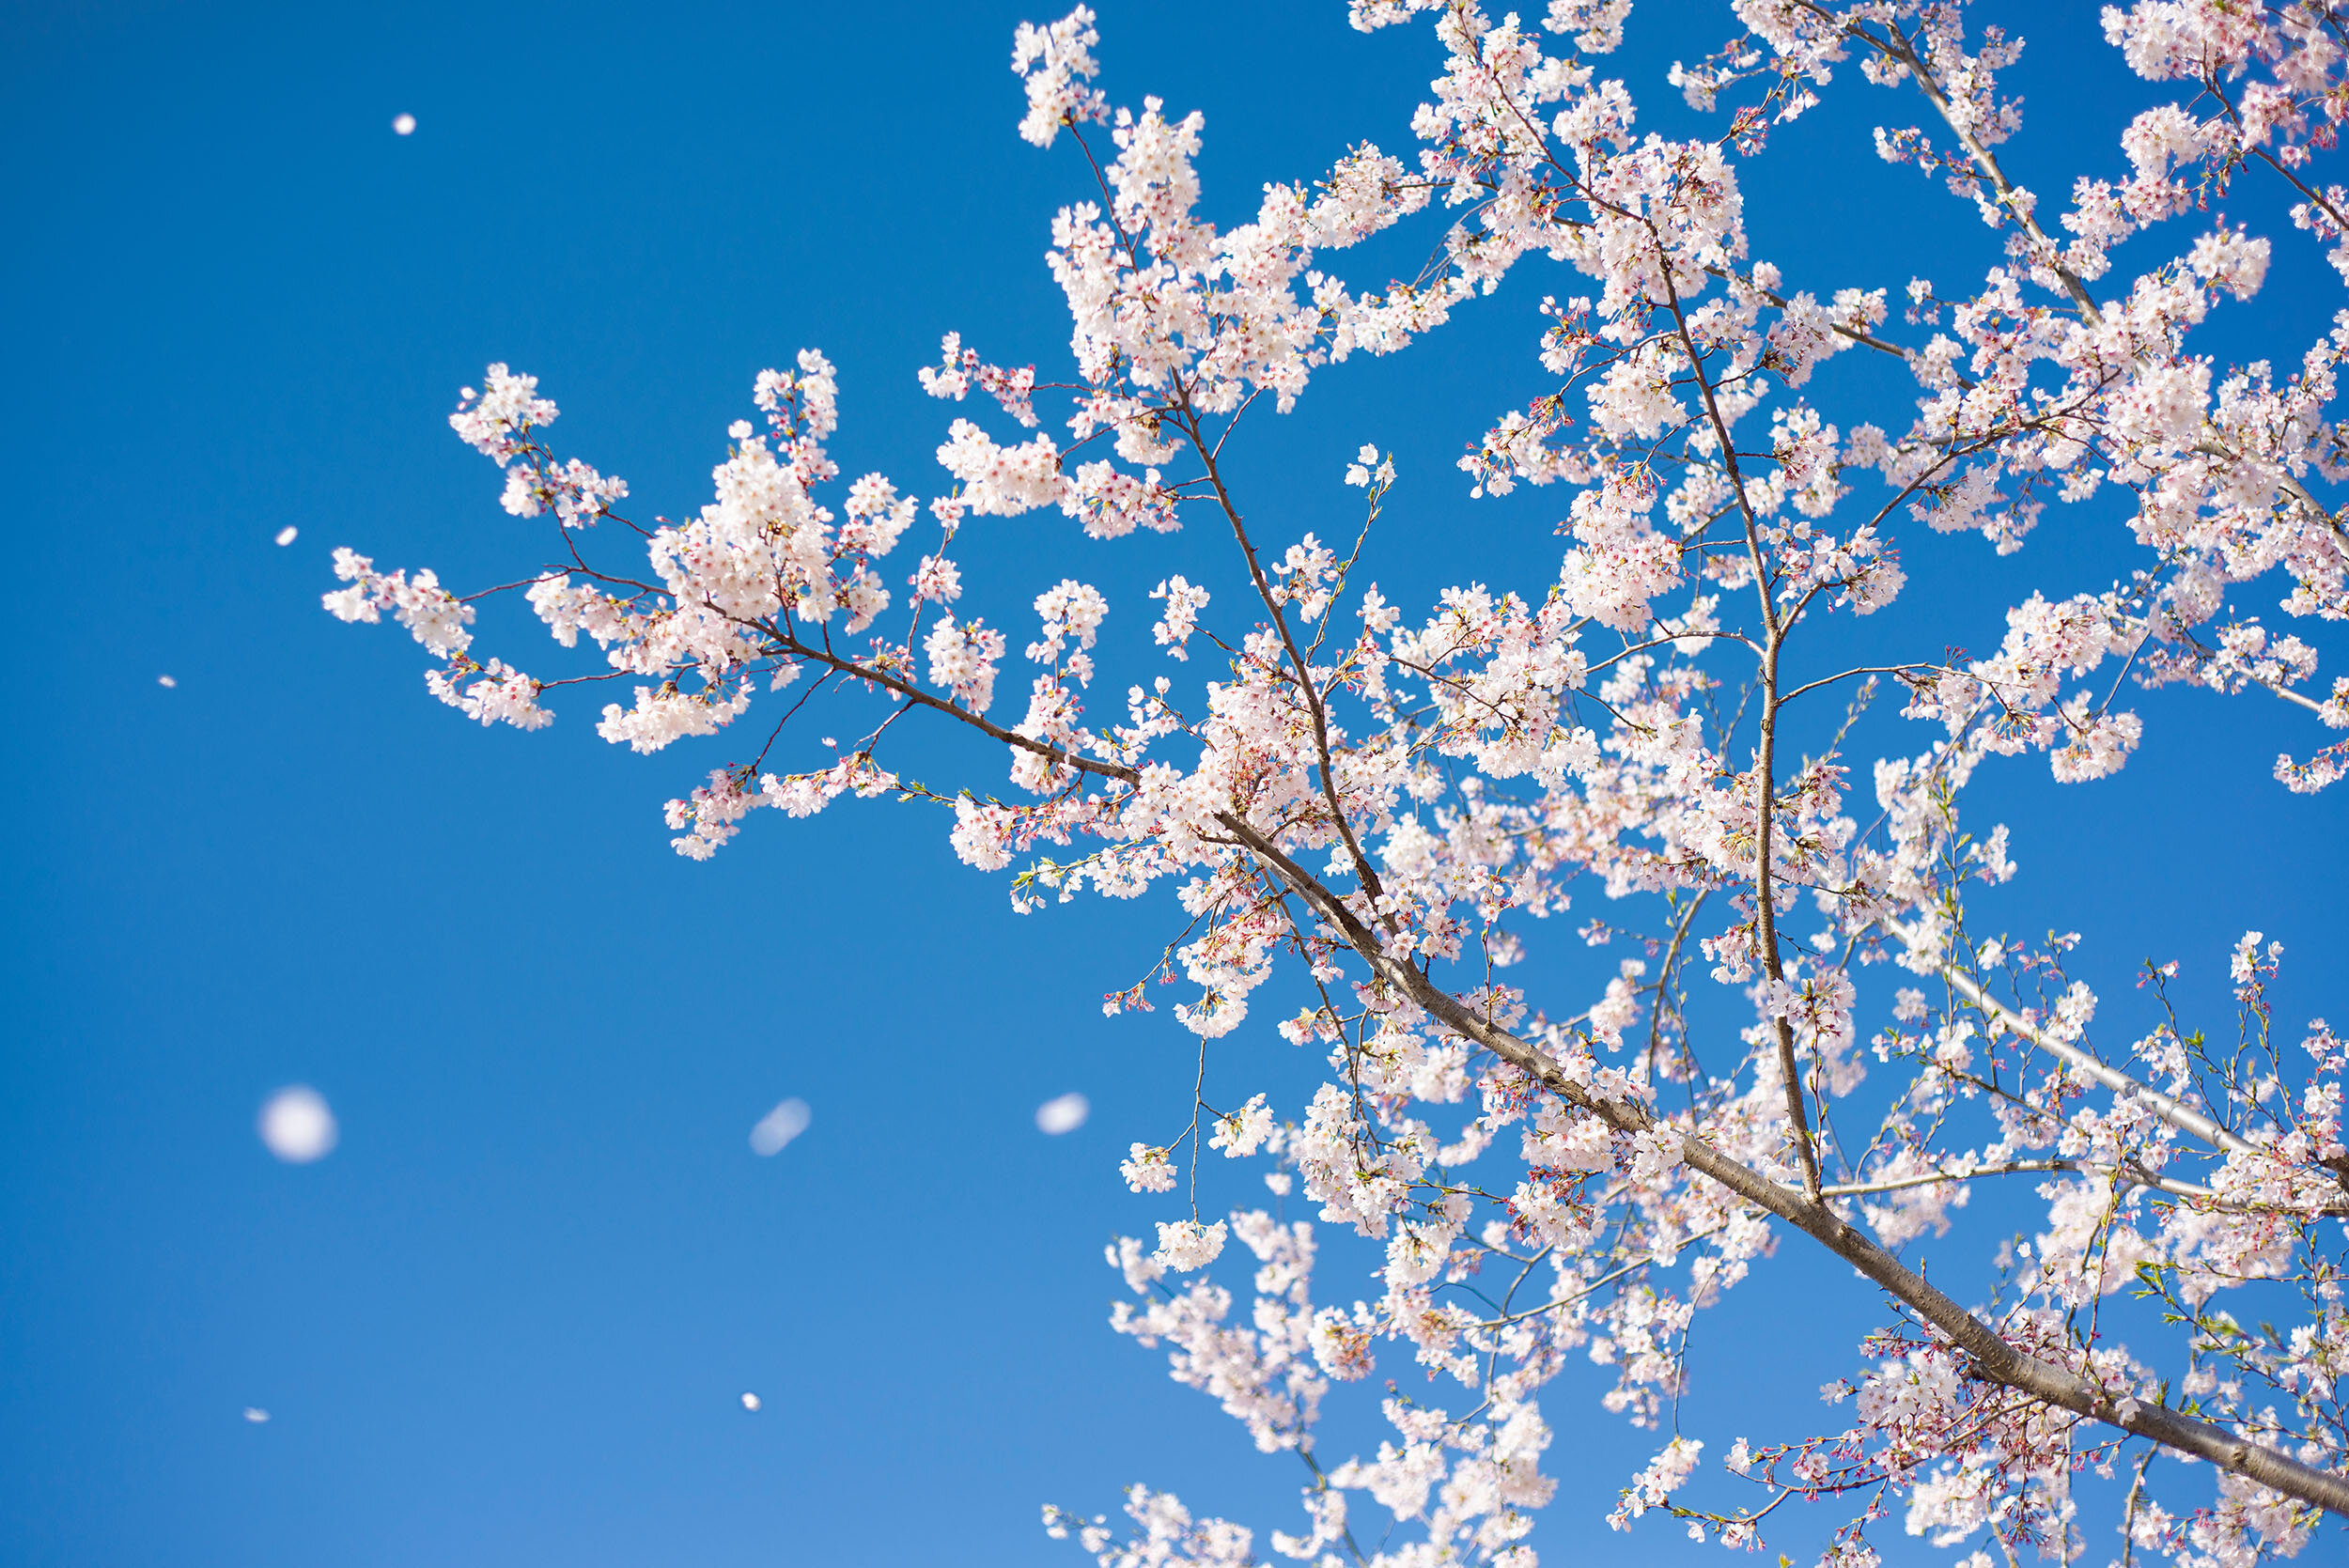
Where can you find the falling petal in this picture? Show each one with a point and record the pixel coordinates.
(779, 1127)
(286, 536)
(405, 125)
(254, 1414)
(298, 1126)
(750, 1402)
(1065, 1114)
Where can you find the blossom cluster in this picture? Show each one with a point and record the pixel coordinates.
(1364, 803)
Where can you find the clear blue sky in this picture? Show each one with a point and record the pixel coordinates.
(508, 1320)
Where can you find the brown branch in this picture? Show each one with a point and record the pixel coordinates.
(1992, 1356)
(1765, 911)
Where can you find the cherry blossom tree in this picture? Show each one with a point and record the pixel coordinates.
(1374, 793)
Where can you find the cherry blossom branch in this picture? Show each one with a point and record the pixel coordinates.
(2285, 482)
(1991, 1356)
(1896, 46)
(2314, 197)
(1306, 686)
(1765, 910)
(1282, 782)
(1593, 1288)
(2184, 1117)
(2120, 1176)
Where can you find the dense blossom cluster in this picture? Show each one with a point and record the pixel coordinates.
(1370, 797)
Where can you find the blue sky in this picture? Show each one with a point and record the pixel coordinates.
(508, 1320)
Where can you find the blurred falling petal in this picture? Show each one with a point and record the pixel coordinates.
(254, 1414)
(1065, 1114)
(287, 535)
(298, 1126)
(750, 1402)
(779, 1127)
(167, 681)
(405, 125)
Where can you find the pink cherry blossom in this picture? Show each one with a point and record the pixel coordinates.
(1360, 804)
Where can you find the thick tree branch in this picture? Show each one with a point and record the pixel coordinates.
(1991, 1356)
